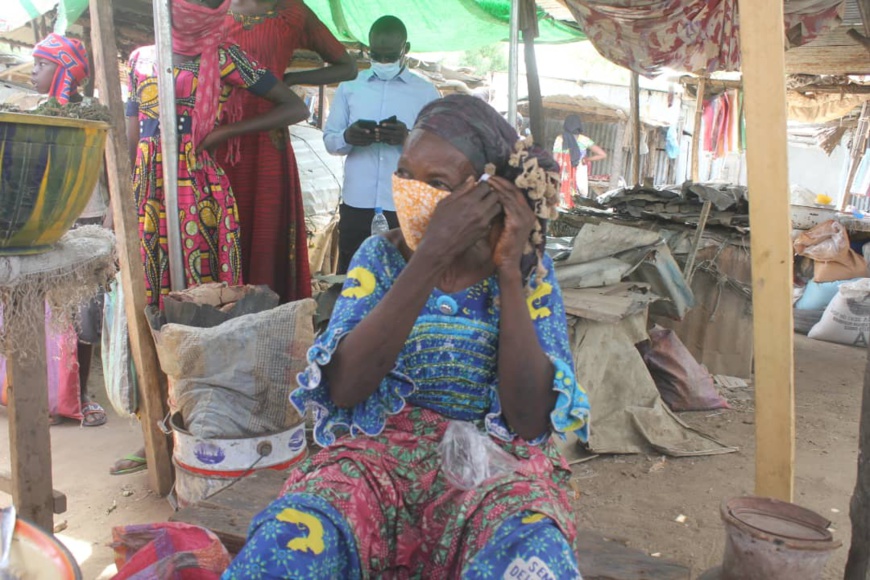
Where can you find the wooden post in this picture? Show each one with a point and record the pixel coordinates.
(529, 26)
(634, 95)
(859, 146)
(858, 565)
(513, 63)
(689, 270)
(152, 399)
(29, 437)
(321, 106)
(617, 163)
(761, 44)
(696, 131)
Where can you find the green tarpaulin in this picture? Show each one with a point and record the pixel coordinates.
(433, 25)
(17, 13)
(437, 25)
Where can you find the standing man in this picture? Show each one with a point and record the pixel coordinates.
(368, 122)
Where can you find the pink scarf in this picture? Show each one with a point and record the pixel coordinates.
(200, 31)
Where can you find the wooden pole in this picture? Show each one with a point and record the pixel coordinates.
(169, 140)
(536, 101)
(763, 56)
(513, 63)
(634, 96)
(529, 25)
(617, 163)
(859, 146)
(696, 131)
(321, 106)
(29, 437)
(689, 270)
(152, 397)
(858, 565)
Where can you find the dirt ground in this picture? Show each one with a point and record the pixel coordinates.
(635, 499)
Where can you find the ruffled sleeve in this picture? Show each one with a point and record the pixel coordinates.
(571, 413)
(372, 272)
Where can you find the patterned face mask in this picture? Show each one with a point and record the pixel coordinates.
(415, 201)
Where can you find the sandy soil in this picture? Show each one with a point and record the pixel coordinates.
(638, 498)
(634, 498)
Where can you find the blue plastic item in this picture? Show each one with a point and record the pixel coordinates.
(818, 295)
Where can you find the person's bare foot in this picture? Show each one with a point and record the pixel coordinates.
(133, 463)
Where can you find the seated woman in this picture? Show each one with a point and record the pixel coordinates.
(456, 316)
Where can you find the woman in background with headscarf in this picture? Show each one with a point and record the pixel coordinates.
(455, 317)
(575, 152)
(263, 171)
(208, 67)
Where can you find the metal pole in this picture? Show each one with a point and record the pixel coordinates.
(514, 64)
(169, 139)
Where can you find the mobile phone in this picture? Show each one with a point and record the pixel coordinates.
(366, 124)
(391, 121)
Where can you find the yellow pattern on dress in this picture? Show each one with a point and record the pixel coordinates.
(533, 518)
(366, 281)
(313, 542)
(540, 292)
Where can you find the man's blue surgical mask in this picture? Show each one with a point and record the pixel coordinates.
(387, 70)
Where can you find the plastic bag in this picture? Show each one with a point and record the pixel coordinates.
(818, 295)
(684, 384)
(469, 457)
(119, 372)
(62, 366)
(168, 550)
(826, 242)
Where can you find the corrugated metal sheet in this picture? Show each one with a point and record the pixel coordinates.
(852, 14)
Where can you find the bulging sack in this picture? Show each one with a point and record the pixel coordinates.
(234, 379)
(847, 318)
(826, 242)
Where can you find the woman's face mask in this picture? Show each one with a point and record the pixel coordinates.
(415, 201)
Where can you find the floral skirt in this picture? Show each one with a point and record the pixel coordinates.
(381, 507)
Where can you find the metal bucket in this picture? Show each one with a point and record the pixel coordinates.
(769, 539)
(206, 466)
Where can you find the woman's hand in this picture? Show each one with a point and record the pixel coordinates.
(459, 221)
(215, 139)
(519, 221)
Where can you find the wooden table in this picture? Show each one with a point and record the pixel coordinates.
(78, 256)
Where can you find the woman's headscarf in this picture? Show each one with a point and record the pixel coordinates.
(571, 128)
(493, 147)
(200, 31)
(71, 59)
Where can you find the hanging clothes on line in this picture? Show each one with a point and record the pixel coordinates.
(723, 124)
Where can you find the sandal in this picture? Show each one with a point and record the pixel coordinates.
(139, 464)
(93, 415)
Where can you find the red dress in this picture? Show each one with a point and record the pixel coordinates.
(265, 178)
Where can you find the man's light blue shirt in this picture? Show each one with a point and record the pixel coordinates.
(368, 171)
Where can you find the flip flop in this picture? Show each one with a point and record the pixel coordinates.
(93, 410)
(141, 465)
